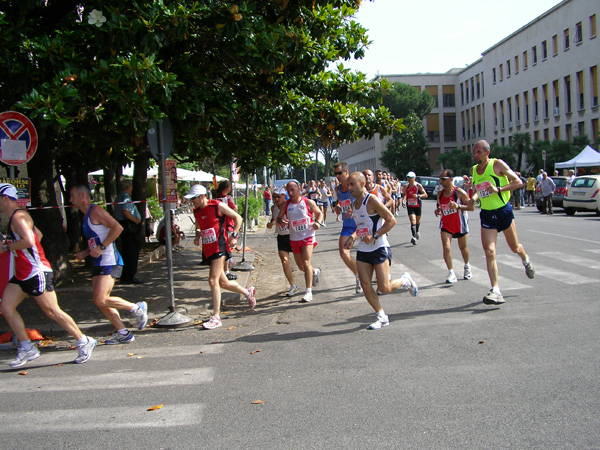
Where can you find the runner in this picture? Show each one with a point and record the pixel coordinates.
(222, 193)
(373, 222)
(324, 203)
(303, 217)
(344, 208)
(284, 246)
(101, 231)
(494, 180)
(211, 218)
(413, 193)
(32, 277)
(377, 189)
(452, 203)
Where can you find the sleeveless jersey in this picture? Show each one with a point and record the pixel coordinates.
(300, 220)
(411, 201)
(95, 235)
(313, 195)
(488, 200)
(377, 191)
(229, 222)
(345, 201)
(29, 262)
(367, 224)
(212, 226)
(452, 220)
(281, 230)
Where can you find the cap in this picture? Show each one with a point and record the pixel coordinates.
(280, 191)
(196, 191)
(9, 190)
(411, 174)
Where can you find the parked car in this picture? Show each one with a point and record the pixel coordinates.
(583, 195)
(429, 184)
(557, 198)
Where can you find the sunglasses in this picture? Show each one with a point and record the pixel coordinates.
(444, 178)
(338, 173)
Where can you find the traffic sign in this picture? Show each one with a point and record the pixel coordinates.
(18, 138)
(160, 138)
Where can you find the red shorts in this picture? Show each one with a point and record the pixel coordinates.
(297, 245)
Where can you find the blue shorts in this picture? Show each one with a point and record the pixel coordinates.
(497, 219)
(347, 231)
(375, 257)
(113, 271)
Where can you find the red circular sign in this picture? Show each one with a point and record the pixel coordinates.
(18, 138)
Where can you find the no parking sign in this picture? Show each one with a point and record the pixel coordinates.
(18, 138)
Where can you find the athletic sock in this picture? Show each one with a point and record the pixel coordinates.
(123, 332)
(134, 309)
(418, 226)
(413, 230)
(26, 345)
(84, 340)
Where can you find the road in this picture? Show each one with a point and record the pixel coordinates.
(448, 373)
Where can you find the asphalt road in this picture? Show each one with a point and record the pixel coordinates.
(448, 373)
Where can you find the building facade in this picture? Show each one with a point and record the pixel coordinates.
(542, 80)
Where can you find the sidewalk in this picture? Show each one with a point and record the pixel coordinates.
(190, 283)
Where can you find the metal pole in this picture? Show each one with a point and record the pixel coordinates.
(245, 265)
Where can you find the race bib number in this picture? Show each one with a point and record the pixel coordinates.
(346, 205)
(282, 228)
(92, 243)
(412, 202)
(209, 236)
(300, 225)
(362, 232)
(446, 210)
(483, 189)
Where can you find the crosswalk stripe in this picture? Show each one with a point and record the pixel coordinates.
(427, 288)
(596, 251)
(480, 276)
(572, 259)
(121, 417)
(549, 271)
(88, 382)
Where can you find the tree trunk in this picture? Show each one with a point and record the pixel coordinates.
(110, 184)
(140, 171)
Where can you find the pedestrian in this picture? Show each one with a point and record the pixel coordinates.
(373, 221)
(101, 230)
(303, 219)
(530, 191)
(494, 180)
(344, 209)
(33, 277)
(267, 199)
(223, 194)
(571, 177)
(284, 246)
(453, 204)
(411, 199)
(547, 187)
(130, 219)
(210, 218)
(148, 232)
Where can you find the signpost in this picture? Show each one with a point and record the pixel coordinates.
(18, 139)
(160, 140)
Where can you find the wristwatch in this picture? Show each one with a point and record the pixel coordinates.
(102, 246)
(234, 235)
(375, 236)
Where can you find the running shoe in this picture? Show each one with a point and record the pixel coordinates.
(85, 350)
(412, 286)
(231, 276)
(323, 224)
(358, 288)
(214, 322)
(141, 316)
(250, 297)
(413, 241)
(307, 297)
(24, 356)
(316, 276)
(418, 236)
(451, 278)
(467, 275)
(118, 338)
(382, 321)
(529, 270)
(293, 290)
(493, 298)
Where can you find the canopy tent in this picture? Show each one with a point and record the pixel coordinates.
(128, 171)
(182, 174)
(587, 158)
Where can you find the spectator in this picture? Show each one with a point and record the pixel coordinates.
(267, 199)
(548, 188)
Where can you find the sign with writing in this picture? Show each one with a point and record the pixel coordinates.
(18, 138)
(171, 180)
(23, 186)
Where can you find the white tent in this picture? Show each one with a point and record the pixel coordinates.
(196, 175)
(128, 171)
(587, 158)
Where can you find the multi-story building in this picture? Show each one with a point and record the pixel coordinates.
(542, 80)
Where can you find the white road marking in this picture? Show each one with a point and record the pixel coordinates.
(480, 276)
(589, 241)
(553, 273)
(572, 259)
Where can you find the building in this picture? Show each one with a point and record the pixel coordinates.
(542, 80)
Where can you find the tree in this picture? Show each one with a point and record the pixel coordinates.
(457, 160)
(504, 153)
(407, 150)
(521, 143)
(403, 99)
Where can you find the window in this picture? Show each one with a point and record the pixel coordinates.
(544, 50)
(525, 62)
(478, 86)
(472, 89)
(534, 55)
(566, 39)
(516, 64)
(467, 89)
(501, 115)
(501, 72)
(536, 111)
(448, 100)
(509, 108)
(494, 75)
(567, 81)
(556, 93)
(462, 94)
(517, 110)
(556, 133)
(578, 33)
(450, 127)
(555, 45)
(508, 69)
(580, 91)
(593, 26)
(594, 85)
(545, 94)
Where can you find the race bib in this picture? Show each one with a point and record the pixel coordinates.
(446, 210)
(300, 225)
(282, 228)
(209, 236)
(483, 189)
(92, 243)
(362, 232)
(412, 202)
(346, 205)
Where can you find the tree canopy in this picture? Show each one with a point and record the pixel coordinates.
(402, 99)
(407, 150)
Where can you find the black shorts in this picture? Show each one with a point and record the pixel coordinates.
(214, 256)
(497, 219)
(375, 257)
(113, 271)
(454, 235)
(416, 210)
(36, 285)
(283, 243)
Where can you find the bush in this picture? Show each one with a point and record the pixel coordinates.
(255, 206)
(156, 208)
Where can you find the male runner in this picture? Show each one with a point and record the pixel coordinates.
(494, 180)
(377, 189)
(413, 193)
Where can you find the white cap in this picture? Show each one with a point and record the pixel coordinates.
(9, 190)
(280, 191)
(196, 191)
(411, 174)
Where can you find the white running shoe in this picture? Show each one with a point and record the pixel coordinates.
(413, 241)
(24, 356)
(382, 321)
(493, 298)
(214, 322)
(307, 298)
(140, 318)
(85, 351)
(358, 288)
(529, 270)
(451, 278)
(412, 286)
(467, 275)
(316, 276)
(250, 297)
(293, 290)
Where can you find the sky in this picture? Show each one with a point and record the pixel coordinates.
(437, 35)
